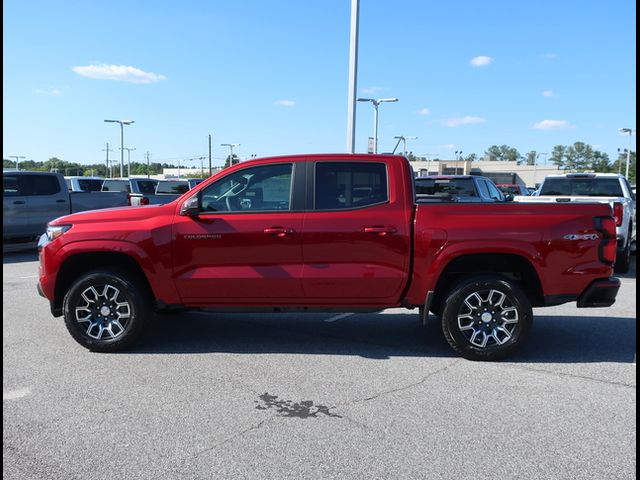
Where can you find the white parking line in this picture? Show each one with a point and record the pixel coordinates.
(335, 318)
(15, 394)
(30, 276)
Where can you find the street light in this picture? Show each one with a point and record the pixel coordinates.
(122, 124)
(376, 102)
(535, 166)
(230, 145)
(458, 156)
(630, 131)
(403, 139)
(128, 149)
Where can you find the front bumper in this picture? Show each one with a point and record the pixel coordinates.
(600, 293)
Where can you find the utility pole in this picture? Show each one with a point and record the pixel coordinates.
(107, 150)
(17, 157)
(148, 166)
(210, 155)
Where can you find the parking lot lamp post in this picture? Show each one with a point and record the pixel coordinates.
(630, 131)
(128, 149)
(230, 145)
(376, 102)
(535, 166)
(122, 124)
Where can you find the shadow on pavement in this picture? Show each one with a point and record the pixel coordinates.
(554, 339)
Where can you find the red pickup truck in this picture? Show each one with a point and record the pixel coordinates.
(327, 232)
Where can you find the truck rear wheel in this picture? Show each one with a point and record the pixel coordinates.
(104, 311)
(486, 318)
(623, 259)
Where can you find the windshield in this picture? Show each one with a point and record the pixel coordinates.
(582, 187)
(90, 185)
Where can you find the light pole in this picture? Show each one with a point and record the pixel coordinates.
(230, 145)
(376, 102)
(458, 156)
(128, 149)
(122, 124)
(630, 131)
(403, 139)
(17, 157)
(535, 167)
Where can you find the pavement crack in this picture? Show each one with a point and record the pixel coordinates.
(405, 387)
(575, 376)
(234, 437)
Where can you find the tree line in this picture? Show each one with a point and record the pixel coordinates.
(579, 157)
(55, 164)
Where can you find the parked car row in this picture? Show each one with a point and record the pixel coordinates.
(32, 199)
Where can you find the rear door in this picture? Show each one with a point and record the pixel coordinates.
(356, 238)
(46, 200)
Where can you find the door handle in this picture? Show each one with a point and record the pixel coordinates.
(19, 202)
(278, 231)
(380, 230)
(61, 201)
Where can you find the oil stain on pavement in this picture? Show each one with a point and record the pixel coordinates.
(287, 408)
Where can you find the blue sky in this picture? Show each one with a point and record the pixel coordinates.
(273, 76)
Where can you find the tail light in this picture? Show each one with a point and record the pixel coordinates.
(617, 213)
(607, 248)
(144, 201)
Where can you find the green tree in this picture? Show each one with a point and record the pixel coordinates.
(503, 153)
(228, 162)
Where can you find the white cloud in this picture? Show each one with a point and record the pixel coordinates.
(285, 103)
(549, 93)
(466, 120)
(481, 61)
(552, 125)
(122, 73)
(549, 55)
(448, 146)
(424, 111)
(55, 92)
(371, 90)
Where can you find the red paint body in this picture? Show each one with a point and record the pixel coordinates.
(380, 256)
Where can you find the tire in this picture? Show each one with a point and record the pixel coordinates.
(105, 311)
(486, 318)
(623, 259)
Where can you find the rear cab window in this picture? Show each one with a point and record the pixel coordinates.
(582, 187)
(174, 187)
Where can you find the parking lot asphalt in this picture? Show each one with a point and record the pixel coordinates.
(297, 396)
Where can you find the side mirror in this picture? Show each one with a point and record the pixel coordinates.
(191, 207)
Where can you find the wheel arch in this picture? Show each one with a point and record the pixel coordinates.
(77, 264)
(511, 266)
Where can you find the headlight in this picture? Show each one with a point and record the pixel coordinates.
(54, 231)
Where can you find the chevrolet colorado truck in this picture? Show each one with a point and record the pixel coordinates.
(334, 232)
(610, 188)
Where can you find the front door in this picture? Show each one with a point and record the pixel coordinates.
(245, 245)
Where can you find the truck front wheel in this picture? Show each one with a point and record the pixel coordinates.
(486, 317)
(105, 311)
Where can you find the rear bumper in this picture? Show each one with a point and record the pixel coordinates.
(600, 293)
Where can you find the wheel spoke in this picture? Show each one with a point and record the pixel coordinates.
(501, 298)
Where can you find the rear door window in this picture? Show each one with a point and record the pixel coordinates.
(35, 185)
(10, 186)
(346, 185)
